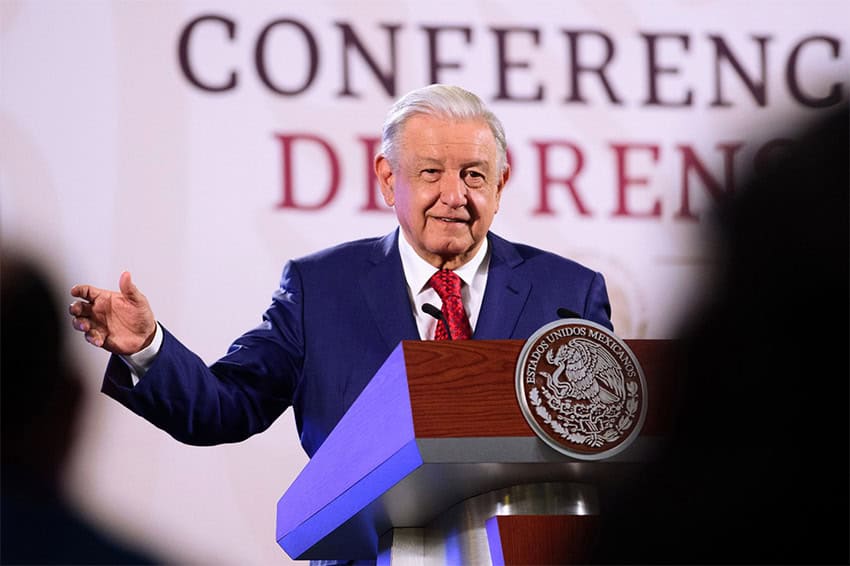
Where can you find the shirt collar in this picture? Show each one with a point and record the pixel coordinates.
(418, 272)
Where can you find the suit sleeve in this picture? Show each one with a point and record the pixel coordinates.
(239, 395)
(597, 306)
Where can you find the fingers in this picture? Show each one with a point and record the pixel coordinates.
(81, 324)
(116, 321)
(93, 335)
(95, 338)
(83, 311)
(125, 285)
(128, 288)
(81, 308)
(86, 292)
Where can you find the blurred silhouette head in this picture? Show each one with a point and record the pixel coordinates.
(40, 393)
(41, 397)
(756, 470)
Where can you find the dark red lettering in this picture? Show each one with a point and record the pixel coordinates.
(374, 200)
(184, 59)
(387, 77)
(312, 51)
(435, 64)
(835, 94)
(691, 163)
(757, 88)
(503, 64)
(625, 181)
(654, 69)
(287, 145)
(579, 67)
(569, 181)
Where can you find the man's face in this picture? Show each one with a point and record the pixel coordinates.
(445, 187)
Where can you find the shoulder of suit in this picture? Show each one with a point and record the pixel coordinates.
(531, 256)
(346, 251)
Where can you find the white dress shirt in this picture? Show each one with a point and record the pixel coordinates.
(417, 273)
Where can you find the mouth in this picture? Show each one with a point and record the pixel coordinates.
(450, 220)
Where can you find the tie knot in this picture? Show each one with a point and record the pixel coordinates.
(446, 283)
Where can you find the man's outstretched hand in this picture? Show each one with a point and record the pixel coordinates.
(120, 322)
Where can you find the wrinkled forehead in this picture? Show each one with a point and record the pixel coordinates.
(429, 137)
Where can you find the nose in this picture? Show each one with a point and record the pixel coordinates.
(453, 192)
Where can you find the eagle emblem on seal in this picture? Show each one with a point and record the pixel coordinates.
(585, 371)
(581, 389)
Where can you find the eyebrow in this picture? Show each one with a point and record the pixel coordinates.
(465, 165)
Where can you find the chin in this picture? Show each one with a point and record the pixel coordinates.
(452, 246)
(451, 250)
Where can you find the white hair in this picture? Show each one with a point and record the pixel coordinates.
(441, 101)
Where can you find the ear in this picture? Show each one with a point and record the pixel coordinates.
(384, 172)
(506, 174)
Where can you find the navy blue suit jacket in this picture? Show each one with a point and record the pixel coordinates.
(335, 318)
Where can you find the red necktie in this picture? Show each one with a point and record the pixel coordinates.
(447, 285)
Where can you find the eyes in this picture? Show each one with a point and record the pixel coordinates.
(472, 178)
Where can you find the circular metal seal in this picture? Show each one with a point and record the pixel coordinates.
(581, 389)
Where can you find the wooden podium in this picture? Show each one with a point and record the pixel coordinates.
(435, 463)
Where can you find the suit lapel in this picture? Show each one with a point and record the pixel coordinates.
(505, 295)
(384, 291)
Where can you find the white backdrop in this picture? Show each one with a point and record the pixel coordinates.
(112, 159)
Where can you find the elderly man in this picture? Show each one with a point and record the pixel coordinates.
(340, 312)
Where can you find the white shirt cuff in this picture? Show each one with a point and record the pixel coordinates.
(143, 359)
